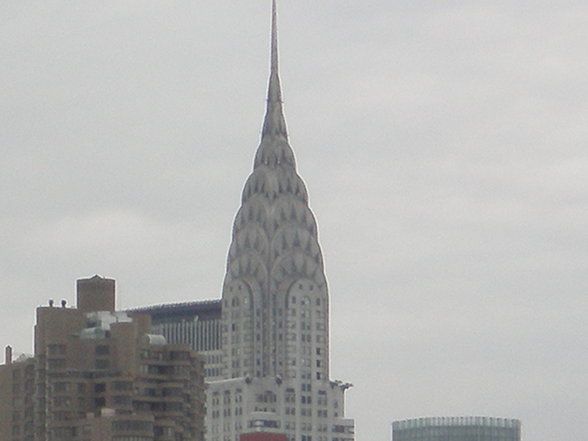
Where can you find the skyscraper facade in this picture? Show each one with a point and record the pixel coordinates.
(267, 352)
(275, 304)
(474, 428)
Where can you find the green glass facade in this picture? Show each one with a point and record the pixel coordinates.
(457, 429)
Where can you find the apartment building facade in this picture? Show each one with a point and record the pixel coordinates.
(101, 375)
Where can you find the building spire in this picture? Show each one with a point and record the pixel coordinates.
(274, 122)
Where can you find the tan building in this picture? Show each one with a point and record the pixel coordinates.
(98, 375)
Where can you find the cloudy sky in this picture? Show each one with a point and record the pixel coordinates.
(444, 146)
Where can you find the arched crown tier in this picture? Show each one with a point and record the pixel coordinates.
(274, 151)
(275, 253)
(273, 182)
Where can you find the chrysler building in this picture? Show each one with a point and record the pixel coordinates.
(275, 304)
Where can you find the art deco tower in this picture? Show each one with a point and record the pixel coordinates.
(275, 285)
(275, 304)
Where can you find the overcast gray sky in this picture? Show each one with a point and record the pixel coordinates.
(443, 143)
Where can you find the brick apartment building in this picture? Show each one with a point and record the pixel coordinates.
(98, 375)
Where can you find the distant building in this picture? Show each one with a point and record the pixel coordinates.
(474, 428)
(100, 375)
(197, 324)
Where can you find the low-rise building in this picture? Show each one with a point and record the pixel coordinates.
(469, 428)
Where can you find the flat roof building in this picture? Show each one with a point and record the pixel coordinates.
(197, 324)
(100, 375)
(469, 428)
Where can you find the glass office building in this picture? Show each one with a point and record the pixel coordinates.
(474, 428)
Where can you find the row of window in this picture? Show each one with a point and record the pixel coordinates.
(305, 375)
(289, 438)
(227, 412)
(132, 425)
(213, 372)
(59, 363)
(65, 386)
(132, 438)
(290, 411)
(159, 355)
(305, 301)
(164, 370)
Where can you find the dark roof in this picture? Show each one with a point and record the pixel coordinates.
(205, 309)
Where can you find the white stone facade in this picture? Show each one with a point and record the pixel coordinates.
(303, 410)
(275, 305)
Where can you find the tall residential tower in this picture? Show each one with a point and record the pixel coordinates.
(99, 375)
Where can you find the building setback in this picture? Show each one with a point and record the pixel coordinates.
(474, 428)
(99, 375)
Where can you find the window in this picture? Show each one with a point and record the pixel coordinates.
(56, 349)
(132, 425)
(121, 400)
(56, 363)
(61, 386)
(122, 385)
(102, 350)
(61, 401)
(102, 364)
(180, 355)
